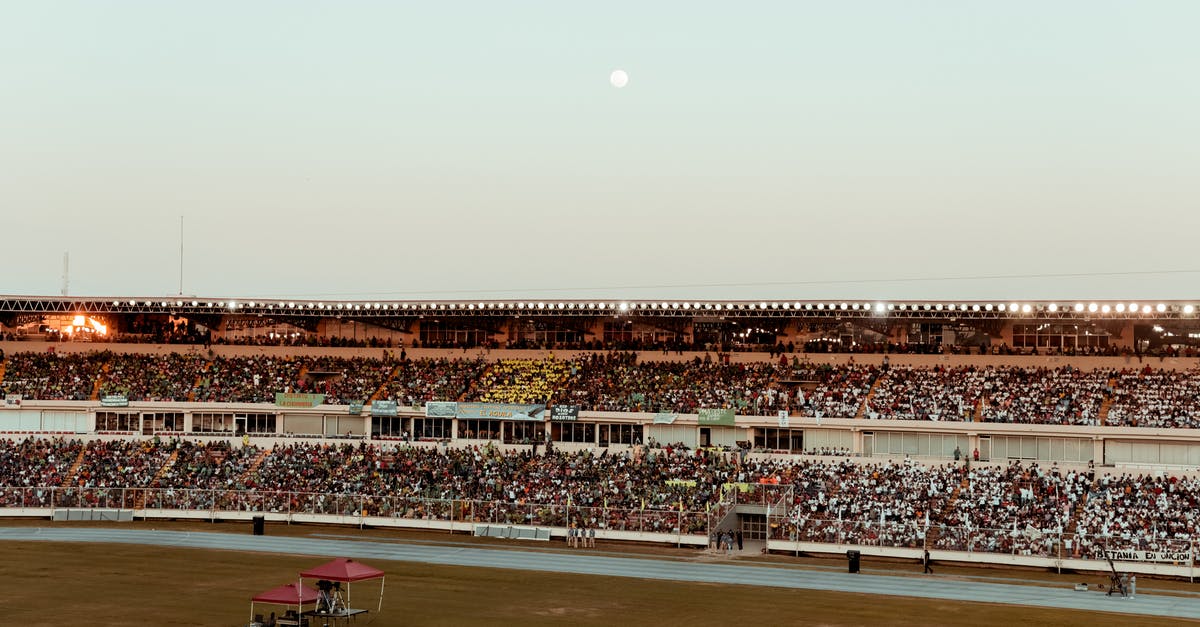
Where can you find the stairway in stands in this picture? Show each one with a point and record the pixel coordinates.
(1106, 404)
(254, 464)
(139, 499)
(104, 370)
(862, 408)
(382, 389)
(473, 386)
(1076, 514)
(935, 520)
(832, 490)
(196, 384)
(74, 470)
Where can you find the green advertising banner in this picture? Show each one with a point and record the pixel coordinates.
(385, 408)
(715, 418)
(356, 408)
(114, 400)
(293, 399)
(664, 418)
(501, 411)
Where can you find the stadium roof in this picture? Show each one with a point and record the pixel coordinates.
(1068, 309)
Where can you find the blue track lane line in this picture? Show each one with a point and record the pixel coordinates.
(643, 568)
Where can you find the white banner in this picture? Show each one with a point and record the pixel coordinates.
(1134, 555)
(12, 401)
(783, 418)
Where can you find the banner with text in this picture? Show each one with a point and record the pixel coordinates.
(298, 400)
(12, 401)
(384, 408)
(784, 417)
(114, 400)
(355, 408)
(564, 413)
(501, 411)
(441, 409)
(664, 418)
(715, 417)
(1183, 556)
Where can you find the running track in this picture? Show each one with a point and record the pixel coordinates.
(644, 568)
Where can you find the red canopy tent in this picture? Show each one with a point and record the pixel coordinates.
(289, 594)
(346, 571)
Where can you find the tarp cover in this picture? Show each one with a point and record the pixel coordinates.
(290, 594)
(342, 569)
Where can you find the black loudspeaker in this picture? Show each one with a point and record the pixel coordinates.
(260, 524)
(854, 557)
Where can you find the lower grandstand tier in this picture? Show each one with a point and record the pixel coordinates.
(1014, 512)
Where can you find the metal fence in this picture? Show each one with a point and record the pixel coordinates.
(1014, 540)
(649, 519)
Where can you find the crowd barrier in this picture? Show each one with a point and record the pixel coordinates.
(1014, 546)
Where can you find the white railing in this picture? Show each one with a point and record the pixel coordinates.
(1014, 540)
(650, 519)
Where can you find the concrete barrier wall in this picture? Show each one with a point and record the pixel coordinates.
(965, 557)
(1036, 361)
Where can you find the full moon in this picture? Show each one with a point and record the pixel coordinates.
(618, 78)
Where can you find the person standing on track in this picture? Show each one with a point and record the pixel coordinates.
(928, 564)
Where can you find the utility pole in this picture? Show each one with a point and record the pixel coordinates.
(66, 275)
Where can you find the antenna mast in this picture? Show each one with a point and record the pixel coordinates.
(181, 255)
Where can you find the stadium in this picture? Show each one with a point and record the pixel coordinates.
(1049, 441)
(324, 314)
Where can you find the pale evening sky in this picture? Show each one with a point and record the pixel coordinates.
(473, 149)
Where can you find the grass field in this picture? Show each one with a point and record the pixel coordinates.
(101, 584)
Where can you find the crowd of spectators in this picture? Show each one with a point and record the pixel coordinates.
(418, 381)
(1143, 396)
(521, 381)
(1021, 508)
(620, 382)
(52, 376)
(1062, 395)
(935, 394)
(344, 380)
(253, 379)
(838, 392)
(1155, 398)
(1145, 512)
(153, 377)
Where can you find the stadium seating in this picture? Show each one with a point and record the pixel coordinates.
(623, 382)
(1023, 509)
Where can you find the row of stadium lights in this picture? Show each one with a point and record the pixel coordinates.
(879, 308)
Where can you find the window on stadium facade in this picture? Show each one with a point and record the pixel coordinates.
(260, 423)
(925, 333)
(522, 432)
(573, 432)
(433, 428)
(387, 426)
(162, 421)
(620, 434)
(791, 440)
(541, 333)
(1059, 336)
(479, 429)
(212, 423)
(446, 333)
(116, 421)
(628, 331)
